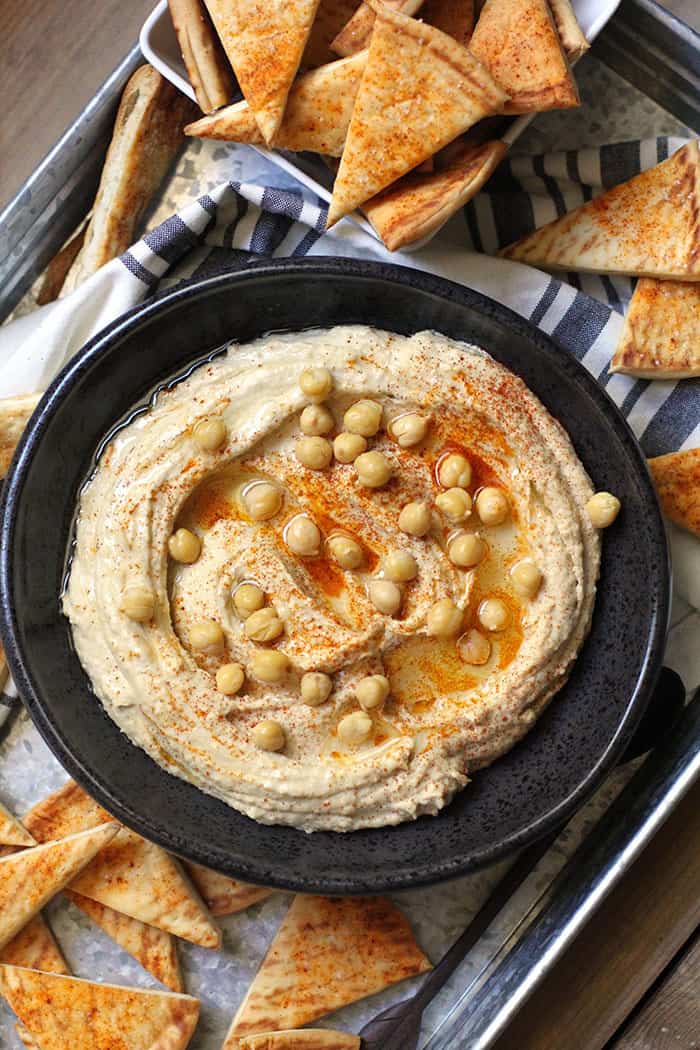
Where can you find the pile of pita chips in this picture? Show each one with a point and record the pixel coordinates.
(304, 1039)
(35, 947)
(661, 336)
(327, 953)
(358, 32)
(677, 480)
(207, 67)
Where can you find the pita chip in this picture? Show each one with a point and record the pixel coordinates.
(570, 33)
(224, 896)
(327, 953)
(417, 205)
(649, 226)
(518, 43)
(67, 1013)
(131, 875)
(207, 66)
(27, 1038)
(317, 116)
(35, 947)
(154, 949)
(357, 33)
(661, 336)
(677, 480)
(264, 43)
(28, 880)
(14, 416)
(302, 1039)
(11, 831)
(420, 90)
(331, 16)
(454, 17)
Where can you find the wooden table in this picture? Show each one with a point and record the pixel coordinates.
(632, 979)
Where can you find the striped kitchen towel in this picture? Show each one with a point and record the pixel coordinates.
(235, 222)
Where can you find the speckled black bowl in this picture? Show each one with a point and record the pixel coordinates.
(523, 795)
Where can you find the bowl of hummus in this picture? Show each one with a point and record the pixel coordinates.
(330, 581)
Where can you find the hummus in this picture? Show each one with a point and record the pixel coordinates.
(456, 699)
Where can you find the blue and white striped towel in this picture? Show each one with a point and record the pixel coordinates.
(220, 230)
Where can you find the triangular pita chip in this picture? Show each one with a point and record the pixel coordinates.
(31, 878)
(317, 116)
(661, 336)
(417, 205)
(207, 67)
(264, 43)
(454, 17)
(67, 1013)
(222, 895)
(677, 480)
(570, 33)
(11, 831)
(301, 1039)
(518, 42)
(154, 949)
(357, 33)
(14, 416)
(331, 16)
(35, 947)
(327, 953)
(132, 875)
(649, 226)
(419, 91)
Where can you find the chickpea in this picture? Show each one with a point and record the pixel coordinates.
(247, 599)
(474, 648)
(455, 504)
(526, 577)
(346, 551)
(138, 604)
(269, 665)
(262, 500)
(303, 536)
(269, 736)
(385, 596)
(210, 433)
(444, 619)
(466, 550)
(316, 420)
(372, 691)
(316, 687)
(316, 383)
(493, 614)
(455, 471)
(354, 729)
(409, 430)
(373, 469)
(315, 453)
(229, 679)
(207, 637)
(400, 566)
(492, 506)
(264, 625)
(415, 519)
(184, 546)
(602, 509)
(347, 447)
(364, 417)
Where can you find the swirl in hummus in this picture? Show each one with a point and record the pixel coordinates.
(415, 590)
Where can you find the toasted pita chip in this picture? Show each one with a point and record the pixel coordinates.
(661, 337)
(317, 116)
(570, 33)
(264, 43)
(31, 878)
(518, 43)
(154, 949)
(304, 1039)
(54, 276)
(14, 416)
(649, 226)
(327, 953)
(27, 1038)
(417, 204)
(357, 33)
(454, 17)
(4, 675)
(207, 66)
(67, 1013)
(132, 875)
(35, 947)
(677, 480)
(331, 16)
(222, 895)
(12, 833)
(419, 91)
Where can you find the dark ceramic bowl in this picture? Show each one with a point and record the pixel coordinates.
(523, 795)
